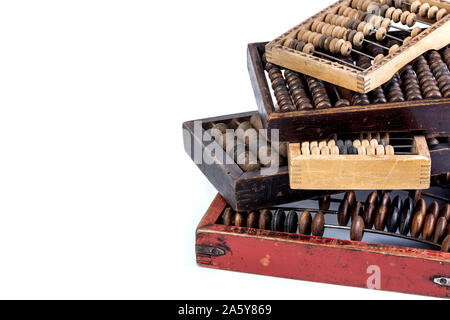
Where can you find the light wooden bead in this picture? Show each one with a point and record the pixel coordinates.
(313, 144)
(374, 143)
(324, 151)
(322, 143)
(380, 150)
(377, 22)
(386, 23)
(403, 17)
(415, 6)
(306, 151)
(308, 48)
(361, 150)
(394, 48)
(346, 48)
(389, 150)
(381, 33)
(339, 44)
(378, 58)
(440, 14)
(305, 144)
(389, 12)
(358, 39)
(432, 12)
(396, 15)
(331, 143)
(423, 10)
(365, 143)
(315, 151)
(335, 150)
(357, 143)
(411, 20)
(371, 151)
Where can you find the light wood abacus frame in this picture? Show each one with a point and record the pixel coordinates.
(434, 37)
(361, 172)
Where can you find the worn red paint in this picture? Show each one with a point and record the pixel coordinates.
(320, 259)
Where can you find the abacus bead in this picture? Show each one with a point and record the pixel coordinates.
(252, 220)
(415, 6)
(393, 220)
(440, 230)
(239, 220)
(385, 199)
(423, 10)
(265, 220)
(428, 227)
(432, 12)
(318, 224)
(357, 229)
(369, 212)
(372, 199)
(304, 223)
(415, 195)
(380, 218)
(446, 244)
(324, 203)
(406, 216)
(343, 214)
(291, 222)
(228, 217)
(417, 223)
(434, 209)
(278, 221)
(350, 196)
(445, 212)
(389, 150)
(441, 13)
(357, 210)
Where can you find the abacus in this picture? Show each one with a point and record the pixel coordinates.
(366, 161)
(325, 45)
(416, 99)
(245, 185)
(402, 237)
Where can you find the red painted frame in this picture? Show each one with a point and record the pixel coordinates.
(319, 259)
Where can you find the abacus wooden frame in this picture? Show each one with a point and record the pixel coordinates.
(318, 259)
(434, 37)
(361, 172)
(244, 191)
(430, 115)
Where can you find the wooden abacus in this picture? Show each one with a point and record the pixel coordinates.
(407, 250)
(360, 163)
(323, 45)
(304, 108)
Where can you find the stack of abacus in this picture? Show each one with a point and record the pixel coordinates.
(409, 219)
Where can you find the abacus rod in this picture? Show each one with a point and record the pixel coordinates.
(363, 54)
(398, 28)
(340, 60)
(304, 209)
(396, 235)
(434, 196)
(394, 38)
(376, 44)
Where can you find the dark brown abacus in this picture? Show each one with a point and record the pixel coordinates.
(383, 109)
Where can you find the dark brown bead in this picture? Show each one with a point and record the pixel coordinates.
(372, 199)
(380, 217)
(446, 244)
(228, 217)
(324, 203)
(357, 229)
(385, 199)
(445, 212)
(252, 220)
(357, 210)
(240, 220)
(343, 213)
(428, 227)
(304, 223)
(440, 230)
(318, 224)
(417, 223)
(434, 209)
(350, 196)
(369, 214)
(265, 220)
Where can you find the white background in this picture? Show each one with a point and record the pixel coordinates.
(97, 197)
